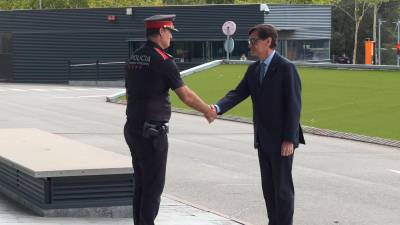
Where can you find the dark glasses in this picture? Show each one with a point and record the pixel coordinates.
(252, 41)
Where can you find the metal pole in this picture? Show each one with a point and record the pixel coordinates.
(227, 52)
(97, 72)
(398, 40)
(40, 4)
(379, 41)
(374, 34)
(69, 71)
(227, 40)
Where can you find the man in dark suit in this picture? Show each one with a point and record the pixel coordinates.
(275, 89)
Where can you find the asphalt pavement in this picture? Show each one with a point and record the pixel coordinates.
(214, 165)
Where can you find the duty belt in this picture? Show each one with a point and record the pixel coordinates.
(154, 129)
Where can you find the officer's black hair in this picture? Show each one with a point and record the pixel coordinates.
(152, 32)
(265, 31)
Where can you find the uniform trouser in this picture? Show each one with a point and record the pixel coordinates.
(277, 185)
(149, 157)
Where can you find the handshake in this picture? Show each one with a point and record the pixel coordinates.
(211, 114)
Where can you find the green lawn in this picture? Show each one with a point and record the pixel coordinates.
(362, 102)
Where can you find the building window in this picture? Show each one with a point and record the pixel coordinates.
(308, 50)
(185, 51)
(216, 50)
(204, 51)
(241, 48)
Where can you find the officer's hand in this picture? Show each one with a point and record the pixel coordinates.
(211, 115)
(287, 148)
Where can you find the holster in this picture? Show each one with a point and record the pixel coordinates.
(154, 129)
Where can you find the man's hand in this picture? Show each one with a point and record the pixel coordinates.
(190, 98)
(211, 115)
(287, 148)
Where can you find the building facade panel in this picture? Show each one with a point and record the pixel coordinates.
(307, 21)
(43, 42)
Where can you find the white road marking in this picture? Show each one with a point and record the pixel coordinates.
(395, 171)
(37, 89)
(80, 89)
(16, 89)
(87, 96)
(67, 89)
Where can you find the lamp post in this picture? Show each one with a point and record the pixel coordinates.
(398, 41)
(379, 42)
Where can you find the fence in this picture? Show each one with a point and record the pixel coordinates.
(96, 70)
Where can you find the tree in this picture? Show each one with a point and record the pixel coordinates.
(357, 11)
(360, 7)
(319, 2)
(64, 4)
(191, 2)
(390, 12)
(342, 30)
(46, 4)
(18, 4)
(376, 5)
(122, 3)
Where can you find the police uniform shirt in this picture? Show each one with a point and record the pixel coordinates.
(150, 74)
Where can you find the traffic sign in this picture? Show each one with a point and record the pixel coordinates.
(229, 45)
(229, 28)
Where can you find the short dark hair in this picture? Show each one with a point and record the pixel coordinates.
(152, 32)
(265, 31)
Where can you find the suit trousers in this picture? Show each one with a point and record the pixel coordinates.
(149, 158)
(277, 185)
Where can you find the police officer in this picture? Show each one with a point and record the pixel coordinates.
(151, 72)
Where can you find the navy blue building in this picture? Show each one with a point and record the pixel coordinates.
(38, 45)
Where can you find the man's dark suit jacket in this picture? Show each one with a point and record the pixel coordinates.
(276, 103)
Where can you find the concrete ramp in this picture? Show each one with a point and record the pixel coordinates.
(56, 176)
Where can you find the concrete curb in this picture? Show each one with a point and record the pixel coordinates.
(310, 130)
(353, 137)
(205, 209)
(348, 66)
(201, 67)
(306, 129)
(114, 97)
(214, 63)
(325, 65)
(100, 83)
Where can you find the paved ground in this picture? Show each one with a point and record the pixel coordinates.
(337, 181)
(172, 212)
